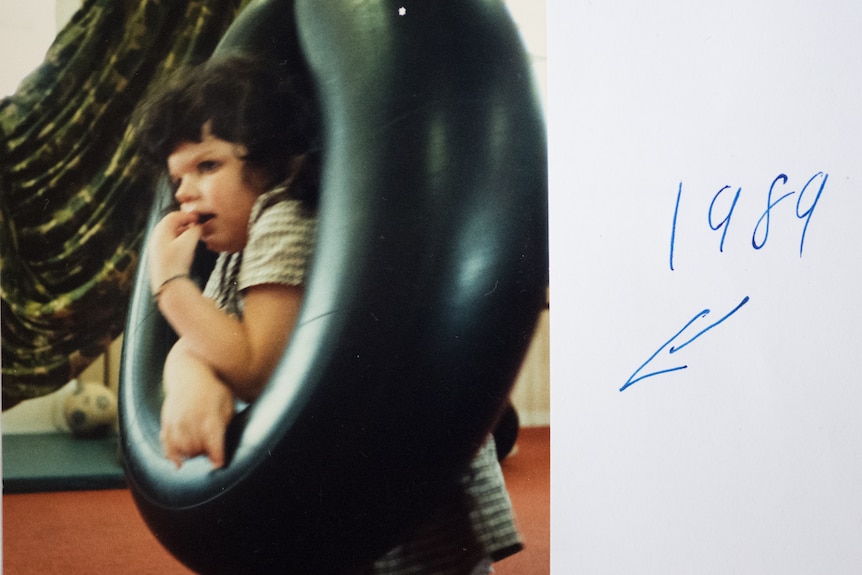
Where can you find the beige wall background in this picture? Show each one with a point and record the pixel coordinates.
(27, 30)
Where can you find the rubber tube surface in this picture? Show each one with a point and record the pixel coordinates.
(430, 270)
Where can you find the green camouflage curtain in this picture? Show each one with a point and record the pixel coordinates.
(72, 207)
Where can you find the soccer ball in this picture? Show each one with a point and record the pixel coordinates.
(90, 410)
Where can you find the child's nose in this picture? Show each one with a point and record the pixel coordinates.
(186, 191)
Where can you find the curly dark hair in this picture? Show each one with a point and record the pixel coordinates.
(245, 101)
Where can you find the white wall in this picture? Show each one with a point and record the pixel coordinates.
(531, 18)
(27, 30)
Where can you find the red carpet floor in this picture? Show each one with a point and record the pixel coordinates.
(528, 478)
(100, 532)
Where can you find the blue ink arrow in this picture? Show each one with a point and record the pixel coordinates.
(675, 348)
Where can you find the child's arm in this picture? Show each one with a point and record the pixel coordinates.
(197, 409)
(242, 353)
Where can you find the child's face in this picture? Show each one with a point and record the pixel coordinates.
(210, 184)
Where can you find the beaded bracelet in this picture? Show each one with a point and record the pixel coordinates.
(165, 283)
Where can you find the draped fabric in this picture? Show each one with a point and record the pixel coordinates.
(73, 206)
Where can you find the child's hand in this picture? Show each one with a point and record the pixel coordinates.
(196, 410)
(172, 247)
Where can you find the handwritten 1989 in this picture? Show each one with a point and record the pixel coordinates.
(720, 222)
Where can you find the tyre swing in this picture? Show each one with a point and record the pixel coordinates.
(429, 272)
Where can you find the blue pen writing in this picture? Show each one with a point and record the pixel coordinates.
(765, 217)
(806, 214)
(810, 211)
(719, 217)
(635, 377)
(725, 223)
(673, 227)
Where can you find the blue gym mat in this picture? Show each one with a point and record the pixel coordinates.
(59, 462)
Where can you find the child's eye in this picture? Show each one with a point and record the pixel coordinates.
(206, 166)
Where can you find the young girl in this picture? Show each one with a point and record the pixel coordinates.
(237, 142)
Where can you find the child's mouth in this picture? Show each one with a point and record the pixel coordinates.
(204, 218)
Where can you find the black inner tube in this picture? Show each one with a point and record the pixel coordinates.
(430, 270)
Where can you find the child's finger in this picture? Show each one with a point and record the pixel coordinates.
(192, 232)
(174, 223)
(214, 445)
(178, 439)
(172, 451)
(216, 455)
(176, 459)
(209, 441)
